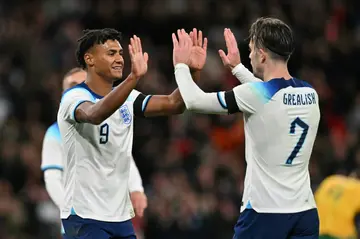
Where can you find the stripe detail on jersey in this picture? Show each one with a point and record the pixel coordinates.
(145, 102)
(72, 211)
(53, 132)
(85, 86)
(62, 231)
(231, 102)
(248, 205)
(76, 106)
(220, 96)
(266, 90)
(46, 167)
(138, 105)
(78, 87)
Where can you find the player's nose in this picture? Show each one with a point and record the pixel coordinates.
(119, 59)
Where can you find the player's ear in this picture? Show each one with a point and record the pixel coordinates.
(263, 55)
(89, 59)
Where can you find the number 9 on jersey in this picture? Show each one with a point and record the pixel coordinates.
(104, 133)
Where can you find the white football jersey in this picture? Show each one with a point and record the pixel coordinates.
(281, 122)
(98, 158)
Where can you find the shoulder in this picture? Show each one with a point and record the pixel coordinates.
(53, 132)
(268, 89)
(80, 90)
(133, 95)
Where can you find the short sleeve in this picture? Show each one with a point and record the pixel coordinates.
(71, 99)
(52, 154)
(246, 98)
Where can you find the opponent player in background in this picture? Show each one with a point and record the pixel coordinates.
(338, 203)
(52, 161)
(281, 115)
(96, 126)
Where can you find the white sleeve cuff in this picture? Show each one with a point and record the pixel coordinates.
(181, 65)
(237, 68)
(195, 98)
(243, 74)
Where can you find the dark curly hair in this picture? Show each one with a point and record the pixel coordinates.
(94, 37)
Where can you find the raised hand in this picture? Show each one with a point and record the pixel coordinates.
(139, 59)
(232, 58)
(198, 50)
(182, 47)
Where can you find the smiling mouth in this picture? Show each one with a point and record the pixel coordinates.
(117, 68)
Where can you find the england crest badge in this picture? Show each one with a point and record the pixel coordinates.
(125, 114)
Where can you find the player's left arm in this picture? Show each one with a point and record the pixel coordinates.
(52, 165)
(135, 181)
(243, 98)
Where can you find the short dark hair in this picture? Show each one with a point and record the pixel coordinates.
(94, 37)
(274, 35)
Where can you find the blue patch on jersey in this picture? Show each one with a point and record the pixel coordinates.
(72, 211)
(85, 87)
(125, 114)
(268, 89)
(54, 132)
(248, 205)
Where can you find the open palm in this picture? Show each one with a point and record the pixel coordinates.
(139, 59)
(232, 58)
(198, 50)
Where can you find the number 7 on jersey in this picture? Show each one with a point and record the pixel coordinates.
(301, 140)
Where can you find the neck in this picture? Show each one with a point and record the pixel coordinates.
(98, 84)
(276, 69)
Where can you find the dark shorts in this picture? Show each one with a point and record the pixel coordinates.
(253, 225)
(80, 228)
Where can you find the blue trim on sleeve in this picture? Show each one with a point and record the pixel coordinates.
(221, 100)
(77, 105)
(266, 90)
(52, 166)
(53, 132)
(145, 102)
(84, 87)
(248, 205)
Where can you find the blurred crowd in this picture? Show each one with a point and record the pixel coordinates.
(192, 165)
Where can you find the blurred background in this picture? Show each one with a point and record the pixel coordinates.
(192, 165)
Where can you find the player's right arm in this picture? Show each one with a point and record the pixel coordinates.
(232, 59)
(243, 98)
(246, 98)
(85, 110)
(89, 111)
